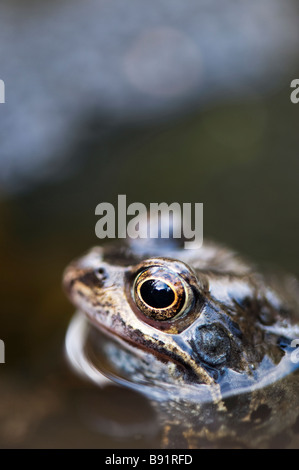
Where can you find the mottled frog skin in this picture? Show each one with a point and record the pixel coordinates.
(201, 332)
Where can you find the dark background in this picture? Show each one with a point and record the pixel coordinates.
(235, 151)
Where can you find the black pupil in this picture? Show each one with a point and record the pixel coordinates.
(157, 294)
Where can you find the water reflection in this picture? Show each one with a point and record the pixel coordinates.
(256, 413)
(79, 127)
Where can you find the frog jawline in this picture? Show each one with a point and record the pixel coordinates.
(75, 347)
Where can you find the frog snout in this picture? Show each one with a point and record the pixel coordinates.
(87, 270)
(90, 278)
(70, 276)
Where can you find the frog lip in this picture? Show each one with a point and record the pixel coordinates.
(164, 357)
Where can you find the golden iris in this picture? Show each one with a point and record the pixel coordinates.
(161, 294)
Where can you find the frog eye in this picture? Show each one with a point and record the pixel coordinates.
(161, 294)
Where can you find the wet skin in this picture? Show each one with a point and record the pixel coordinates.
(203, 326)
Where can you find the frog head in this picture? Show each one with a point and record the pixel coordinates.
(193, 316)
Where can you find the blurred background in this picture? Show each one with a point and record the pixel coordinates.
(161, 101)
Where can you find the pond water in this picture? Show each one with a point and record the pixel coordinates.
(238, 154)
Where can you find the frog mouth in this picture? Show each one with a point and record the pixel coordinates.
(135, 342)
(88, 360)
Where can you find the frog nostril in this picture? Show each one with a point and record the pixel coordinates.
(101, 274)
(91, 280)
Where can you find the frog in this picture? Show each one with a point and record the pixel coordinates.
(203, 333)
